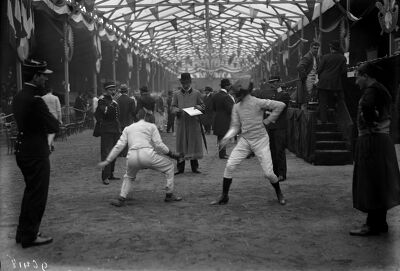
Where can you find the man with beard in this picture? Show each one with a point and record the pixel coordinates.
(188, 130)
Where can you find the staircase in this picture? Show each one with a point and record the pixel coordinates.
(330, 147)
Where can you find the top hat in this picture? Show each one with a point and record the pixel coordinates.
(335, 45)
(185, 77)
(108, 85)
(35, 66)
(274, 78)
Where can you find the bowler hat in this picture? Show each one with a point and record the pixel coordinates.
(144, 89)
(335, 45)
(34, 66)
(185, 77)
(225, 82)
(108, 85)
(274, 78)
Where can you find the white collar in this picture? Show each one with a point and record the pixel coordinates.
(224, 90)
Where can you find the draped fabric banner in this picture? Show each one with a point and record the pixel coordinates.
(332, 26)
(221, 9)
(21, 22)
(264, 27)
(174, 23)
(154, 11)
(241, 22)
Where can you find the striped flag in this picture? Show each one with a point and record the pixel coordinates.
(21, 24)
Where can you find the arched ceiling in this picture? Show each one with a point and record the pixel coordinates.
(197, 32)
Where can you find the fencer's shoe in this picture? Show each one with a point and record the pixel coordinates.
(170, 197)
(226, 184)
(221, 201)
(196, 171)
(178, 172)
(113, 178)
(121, 201)
(364, 230)
(279, 195)
(39, 241)
(106, 182)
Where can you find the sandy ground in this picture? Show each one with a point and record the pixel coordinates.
(252, 232)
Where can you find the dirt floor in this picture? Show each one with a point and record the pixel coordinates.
(252, 232)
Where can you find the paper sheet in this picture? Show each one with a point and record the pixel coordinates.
(192, 111)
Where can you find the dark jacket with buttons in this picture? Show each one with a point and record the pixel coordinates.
(108, 115)
(34, 122)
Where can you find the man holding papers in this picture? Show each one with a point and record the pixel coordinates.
(185, 103)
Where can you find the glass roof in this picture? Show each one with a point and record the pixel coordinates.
(199, 31)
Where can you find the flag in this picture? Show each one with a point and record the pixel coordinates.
(281, 18)
(174, 23)
(154, 11)
(173, 42)
(267, 2)
(241, 22)
(132, 4)
(21, 21)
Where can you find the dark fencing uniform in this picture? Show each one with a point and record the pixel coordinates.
(34, 122)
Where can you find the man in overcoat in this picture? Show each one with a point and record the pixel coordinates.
(34, 122)
(331, 70)
(222, 106)
(127, 111)
(188, 130)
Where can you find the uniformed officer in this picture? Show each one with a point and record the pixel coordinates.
(34, 122)
(107, 113)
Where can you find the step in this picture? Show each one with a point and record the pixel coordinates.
(333, 157)
(328, 136)
(330, 145)
(327, 127)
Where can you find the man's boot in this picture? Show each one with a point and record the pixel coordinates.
(119, 202)
(279, 194)
(226, 184)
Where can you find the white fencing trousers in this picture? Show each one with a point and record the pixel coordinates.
(142, 159)
(261, 149)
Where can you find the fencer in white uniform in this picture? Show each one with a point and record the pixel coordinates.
(248, 116)
(145, 149)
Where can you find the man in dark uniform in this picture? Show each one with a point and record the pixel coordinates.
(107, 112)
(222, 106)
(277, 131)
(127, 110)
(147, 102)
(32, 150)
(208, 117)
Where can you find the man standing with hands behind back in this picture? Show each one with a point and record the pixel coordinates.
(34, 122)
(188, 131)
(222, 105)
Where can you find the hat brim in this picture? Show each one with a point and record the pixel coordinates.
(46, 71)
(273, 80)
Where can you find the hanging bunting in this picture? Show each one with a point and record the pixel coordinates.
(267, 2)
(223, 30)
(221, 9)
(192, 10)
(174, 23)
(132, 5)
(173, 42)
(308, 13)
(127, 17)
(332, 26)
(154, 11)
(239, 42)
(241, 22)
(202, 16)
(350, 16)
(253, 14)
(264, 27)
(150, 30)
(281, 18)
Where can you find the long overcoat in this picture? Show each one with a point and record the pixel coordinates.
(222, 105)
(188, 131)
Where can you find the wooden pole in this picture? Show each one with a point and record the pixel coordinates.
(138, 71)
(114, 75)
(95, 82)
(66, 72)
